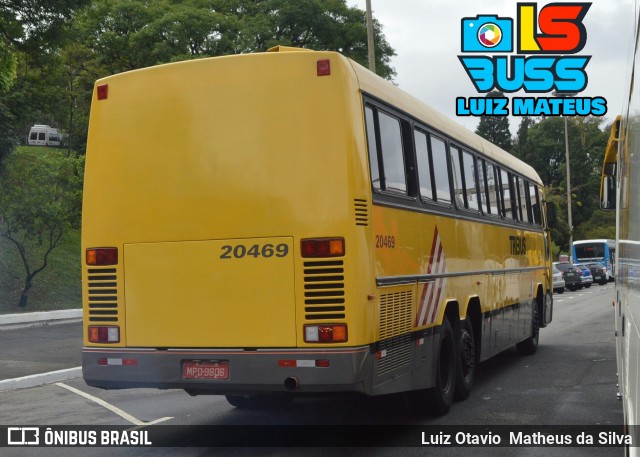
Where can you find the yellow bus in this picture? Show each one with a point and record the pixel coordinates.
(280, 223)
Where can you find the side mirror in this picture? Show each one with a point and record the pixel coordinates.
(551, 214)
(608, 192)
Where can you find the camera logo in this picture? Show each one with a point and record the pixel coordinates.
(24, 436)
(484, 33)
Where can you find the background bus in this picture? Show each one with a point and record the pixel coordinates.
(266, 225)
(619, 189)
(601, 251)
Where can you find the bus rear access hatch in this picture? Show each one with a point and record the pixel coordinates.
(210, 294)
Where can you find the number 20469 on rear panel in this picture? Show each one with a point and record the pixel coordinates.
(205, 370)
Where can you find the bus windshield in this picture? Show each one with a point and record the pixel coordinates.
(590, 251)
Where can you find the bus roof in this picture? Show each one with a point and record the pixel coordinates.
(594, 241)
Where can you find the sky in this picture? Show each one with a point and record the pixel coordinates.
(426, 37)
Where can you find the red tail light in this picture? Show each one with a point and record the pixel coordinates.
(325, 333)
(102, 256)
(104, 334)
(323, 247)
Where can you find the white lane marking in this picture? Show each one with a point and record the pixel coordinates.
(110, 407)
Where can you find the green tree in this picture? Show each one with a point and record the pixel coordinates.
(128, 34)
(40, 201)
(495, 128)
(522, 147)
(601, 224)
(31, 35)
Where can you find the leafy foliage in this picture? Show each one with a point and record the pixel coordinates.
(541, 143)
(40, 202)
(129, 34)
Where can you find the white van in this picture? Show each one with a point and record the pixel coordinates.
(43, 135)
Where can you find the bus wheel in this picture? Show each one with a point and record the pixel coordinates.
(260, 401)
(466, 366)
(441, 395)
(240, 401)
(530, 345)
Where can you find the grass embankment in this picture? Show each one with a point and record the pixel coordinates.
(58, 286)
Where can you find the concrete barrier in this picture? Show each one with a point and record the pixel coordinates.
(39, 318)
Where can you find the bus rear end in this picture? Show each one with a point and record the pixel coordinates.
(222, 218)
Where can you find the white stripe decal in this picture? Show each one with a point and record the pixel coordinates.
(433, 291)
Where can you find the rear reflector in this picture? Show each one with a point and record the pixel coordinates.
(322, 247)
(104, 361)
(102, 256)
(293, 363)
(103, 91)
(324, 67)
(104, 334)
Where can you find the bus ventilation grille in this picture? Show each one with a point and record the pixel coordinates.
(395, 313)
(362, 212)
(324, 290)
(103, 295)
(395, 330)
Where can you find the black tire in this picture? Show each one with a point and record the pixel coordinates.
(530, 345)
(587, 285)
(240, 401)
(560, 291)
(442, 394)
(260, 401)
(467, 361)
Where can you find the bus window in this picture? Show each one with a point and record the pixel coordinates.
(494, 192)
(518, 198)
(440, 170)
(535, 205)
(392, 157)
(482, 183)
(373, 149)
(424, 165)
(505, 194)
(469, 167)
(526, 201)
(458, 185)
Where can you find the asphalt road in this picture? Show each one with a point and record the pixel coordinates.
(571, 380)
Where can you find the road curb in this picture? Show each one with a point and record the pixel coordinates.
(40, 379)
(38, 318)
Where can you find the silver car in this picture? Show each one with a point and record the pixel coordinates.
(558, 281)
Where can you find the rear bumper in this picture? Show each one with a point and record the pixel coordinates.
(250, 371)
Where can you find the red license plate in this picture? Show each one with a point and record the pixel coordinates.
(205, 370)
